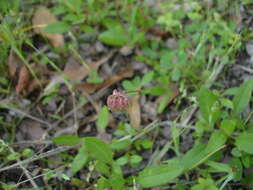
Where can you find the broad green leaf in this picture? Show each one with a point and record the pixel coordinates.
(128, 85)
(103, 183)
(64, 176)
(122, 160)
(236, 164)
(246, 160)
(98, 149)
(26, 152)
(132, 85)
(246, 2)
(245, 142)
(160, 174)
(205, 184)
(216, 141)
(94, 77)
(146, 143)
(147, 78)
(165, 61)
(102, 168)
(219, 167)
(57, 27)
(228, 126)
(80, 160)
(75, 19)
(194, 157)
(227, 103)
(103, 117)
(87, 29)
(176, 74)
(175, 134)
(117, 181)
(236, 152)
(242, 97)
(111, 23)
(231, 91)
(116, 169)
(164, 102)
(75, 5)
(13, 156)
(135, 159)
(120, 144)
(115, 36)
(57, 10)
(8, 186)
(154, 91)
(206, 100)
(67, 140)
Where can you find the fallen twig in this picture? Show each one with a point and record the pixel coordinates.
(37, 157)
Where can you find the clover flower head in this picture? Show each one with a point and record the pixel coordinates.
(117, 101)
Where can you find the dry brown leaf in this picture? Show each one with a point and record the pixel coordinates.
(175, 92)
(97, 64)
(13, 63)
(91, 87)
(25, 83)
(31, 130)
(105, 137)
(43, 17)
(23, 79)
(32, 86)
(76, 71)
(41, 69)
(35, 83)
(158, 32)
(134, 112)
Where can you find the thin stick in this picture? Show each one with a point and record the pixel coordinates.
(245, 68)
(29, 143)
(27, 115)
(76, 125)
(29, 176)
(26, 172)
(19, 183)
(91, 101)
(95, 97)
(148, 128)
(179, 125)
(37, 157)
